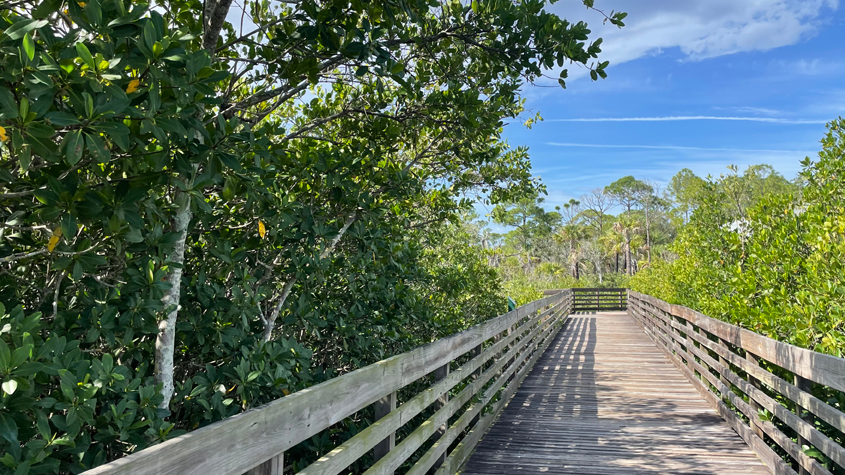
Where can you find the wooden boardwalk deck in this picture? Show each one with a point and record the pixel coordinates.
(604, 400)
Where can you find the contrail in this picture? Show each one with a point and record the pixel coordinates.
(770, 120)
(673, 147)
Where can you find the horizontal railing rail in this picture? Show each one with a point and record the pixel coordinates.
(597, 299)
(786, 402)
(474, 373)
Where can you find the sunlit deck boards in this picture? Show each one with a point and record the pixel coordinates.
(605, 400)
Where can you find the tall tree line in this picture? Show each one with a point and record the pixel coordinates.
(612, 233)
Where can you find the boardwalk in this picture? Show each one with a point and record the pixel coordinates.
(605, 400)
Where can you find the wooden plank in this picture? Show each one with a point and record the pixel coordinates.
(758, 445)
(413, 441)
(465, 448)
(383, 407)
(233, 445)
(437, 395)
(604, 400)
(818, 407)
(274, 466)
(807, 386)
(754, 361)
(759, 400)
(806, 464)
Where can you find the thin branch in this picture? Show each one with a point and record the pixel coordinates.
(56, 294)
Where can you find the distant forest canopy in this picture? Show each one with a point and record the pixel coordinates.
(749, 246)
(613, 232)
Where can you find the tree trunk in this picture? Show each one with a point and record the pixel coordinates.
(166, 339)
(647, 235)
(270, 321)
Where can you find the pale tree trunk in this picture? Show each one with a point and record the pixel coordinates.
(628, 266)
(598, 262)
(270, 321)
(647, 235)
(166, 339)
(214, 15)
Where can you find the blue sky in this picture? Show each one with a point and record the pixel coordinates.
(777, 67)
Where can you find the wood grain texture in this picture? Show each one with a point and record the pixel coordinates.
(756, 389)
(603, 399)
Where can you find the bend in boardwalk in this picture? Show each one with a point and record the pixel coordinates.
(605, 400)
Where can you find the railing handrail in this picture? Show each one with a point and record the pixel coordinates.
(822, 368)
(238, 444)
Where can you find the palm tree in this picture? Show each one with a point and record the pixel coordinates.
(627, 227)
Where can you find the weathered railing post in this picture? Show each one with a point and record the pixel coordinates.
(439, 375)
(804, 385)
(274, 466)
(475, 374)
(752, 418)
(726, 364)
(383, 407)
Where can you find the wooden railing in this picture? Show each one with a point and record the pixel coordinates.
(775, 396)
(597, 299)
(473, 375)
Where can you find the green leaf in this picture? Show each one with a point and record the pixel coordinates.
(25, 157)
(5, 355)
(117, 131)
(77, 271)
(64, 440)
(155, 97)
(85, 54)
(97, 148)
(69, 225)
(75, 146)
(43, 425)
(172, 125)
(29, 46)
(62, 119)
(8, 104)
(8, 429)
(21, 28)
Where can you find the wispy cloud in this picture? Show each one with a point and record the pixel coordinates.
(750, 110)
(674, 118)
(673, 147)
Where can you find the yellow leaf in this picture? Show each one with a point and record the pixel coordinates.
(285, 392)
(133, 86)
(54, 239)
(3, 136)
(261, 229)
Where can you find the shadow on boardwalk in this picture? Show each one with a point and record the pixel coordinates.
(605, 400)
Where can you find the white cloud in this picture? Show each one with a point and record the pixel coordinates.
(701, 29)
